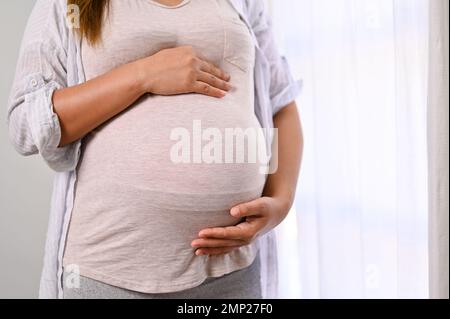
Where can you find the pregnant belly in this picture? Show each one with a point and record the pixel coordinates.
(129, 190)
(143, 146)
(114, 225)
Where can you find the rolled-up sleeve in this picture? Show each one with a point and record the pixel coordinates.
(283, 88)
(34, 127)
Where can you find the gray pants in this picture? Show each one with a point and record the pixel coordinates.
(241, 284)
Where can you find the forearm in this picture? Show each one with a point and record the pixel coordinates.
(84, 107)
(179, 70)
(282, 184)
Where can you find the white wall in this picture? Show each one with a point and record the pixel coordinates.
(25, 183)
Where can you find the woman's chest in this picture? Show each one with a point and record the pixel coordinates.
(135, 29)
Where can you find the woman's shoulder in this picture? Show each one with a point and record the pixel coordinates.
(250, 8)
(254, 7)
(57, 9)
(48, 20)
(254, 10)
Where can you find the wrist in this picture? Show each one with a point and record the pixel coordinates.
(285, 203)
(140, 72)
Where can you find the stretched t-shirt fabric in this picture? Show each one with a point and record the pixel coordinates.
(136, 210)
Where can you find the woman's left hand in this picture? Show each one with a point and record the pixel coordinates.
(265, 213)
(259, 217)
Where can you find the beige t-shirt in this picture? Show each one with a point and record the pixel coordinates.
(136, 209)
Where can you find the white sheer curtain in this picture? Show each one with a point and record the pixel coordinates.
(359, 227)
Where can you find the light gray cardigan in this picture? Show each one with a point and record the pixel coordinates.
(50, 59)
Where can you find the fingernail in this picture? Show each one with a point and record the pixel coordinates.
(235, 212)
(198, 253)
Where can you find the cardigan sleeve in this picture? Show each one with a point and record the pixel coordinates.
(283, 88)
(33, 125)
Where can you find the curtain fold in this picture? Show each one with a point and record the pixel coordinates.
(438, 149)
(359, 225)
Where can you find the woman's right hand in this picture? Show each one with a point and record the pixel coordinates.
(180, 70)
(82, 108)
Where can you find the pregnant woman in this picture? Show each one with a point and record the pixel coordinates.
(109, 93)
